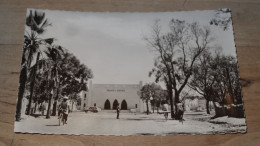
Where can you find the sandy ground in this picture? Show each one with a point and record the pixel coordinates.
(130, 124)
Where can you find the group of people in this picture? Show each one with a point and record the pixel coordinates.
(65, 109)
(165, 108)
(62, 108)
(180, 110)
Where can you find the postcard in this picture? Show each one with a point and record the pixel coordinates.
(129, 73)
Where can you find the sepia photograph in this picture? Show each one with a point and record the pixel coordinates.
(129, 73)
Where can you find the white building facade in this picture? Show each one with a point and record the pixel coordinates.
(109, 96)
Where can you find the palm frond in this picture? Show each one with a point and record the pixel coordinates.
(46, 23)
(48, 40)
(38, 17)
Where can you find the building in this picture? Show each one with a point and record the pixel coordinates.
(108, 96)
(196, 103)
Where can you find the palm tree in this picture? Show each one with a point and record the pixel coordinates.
(23, 78)
(55, 54)
(32, 77)
(36, 23)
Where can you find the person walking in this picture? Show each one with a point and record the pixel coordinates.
(165, 108)
(64, 109)
(180, 111)
(117, 111)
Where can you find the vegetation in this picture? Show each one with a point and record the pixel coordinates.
(177, 51)
(185, 57)
(153, 93)
(222, 18)
(48, 73)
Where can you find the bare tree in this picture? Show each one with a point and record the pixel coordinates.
(177, 51)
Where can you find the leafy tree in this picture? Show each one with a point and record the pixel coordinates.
(162, 97)
(150, 90)
(41, 87)
(55, 54)
(227, 79)
(203, 78)
(177, 51)
(222, 18)
(227, 88)
(73, 77)
(216, 78)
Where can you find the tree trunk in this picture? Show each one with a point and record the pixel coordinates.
(176, 101)
(32, 86)
(23, 78)
(147, 108)
(49, 107)
(30, 98)
(220, 111)
(35, 107)
(54, 109)
(230, 88)
(207, 106)
(171, 101)
(72, 107)
(153, 106)
(216, 110)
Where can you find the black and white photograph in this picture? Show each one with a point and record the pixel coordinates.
(129, 73)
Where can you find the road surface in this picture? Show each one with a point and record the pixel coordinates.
(104, 123)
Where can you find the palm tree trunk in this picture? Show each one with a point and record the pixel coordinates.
(30, 99)
(55, 102)
(23, 78)
(49, 107)
(32, 86)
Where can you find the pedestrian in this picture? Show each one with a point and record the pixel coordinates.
(180, 111)
(32, 108)
(165, 108)
(64, 108)
(117, 111)
(40, 108)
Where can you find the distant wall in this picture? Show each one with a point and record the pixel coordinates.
(99, 93)
(196, 104)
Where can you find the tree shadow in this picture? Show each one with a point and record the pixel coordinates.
(137, 119)
(52, 125)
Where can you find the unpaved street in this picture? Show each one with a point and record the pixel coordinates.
(129, 124)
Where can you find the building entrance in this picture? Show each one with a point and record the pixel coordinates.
(123, 105)
(107, 105)
(115, 104)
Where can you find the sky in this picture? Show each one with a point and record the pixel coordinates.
(112, 44)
